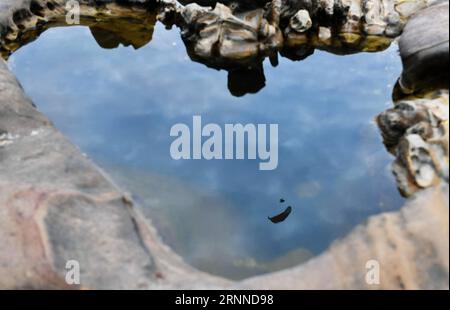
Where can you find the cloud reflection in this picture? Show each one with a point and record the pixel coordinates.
(118, 106)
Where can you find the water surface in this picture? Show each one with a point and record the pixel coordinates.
(118, 106)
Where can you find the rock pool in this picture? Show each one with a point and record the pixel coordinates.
(118, 106)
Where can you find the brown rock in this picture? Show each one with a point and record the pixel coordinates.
(411, 247)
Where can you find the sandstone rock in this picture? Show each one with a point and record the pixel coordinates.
(410, 246)
(56, 205)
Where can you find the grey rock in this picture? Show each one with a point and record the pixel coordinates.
(424, 48)
(416, 132)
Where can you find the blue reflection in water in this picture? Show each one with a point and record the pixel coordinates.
(119, 105)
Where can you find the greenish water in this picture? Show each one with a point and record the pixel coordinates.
(118, 106)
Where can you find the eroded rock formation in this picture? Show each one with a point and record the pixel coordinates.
(415, 131)
(56, 205)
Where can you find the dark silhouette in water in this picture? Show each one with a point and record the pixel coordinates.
(282, 216)
(245, 81)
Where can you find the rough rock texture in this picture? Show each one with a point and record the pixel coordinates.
(411, 247)
(415, 131)
(424, 49)
(56, 205)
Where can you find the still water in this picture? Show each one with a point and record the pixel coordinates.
(118, 106)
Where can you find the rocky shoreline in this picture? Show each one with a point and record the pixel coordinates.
(55, 204)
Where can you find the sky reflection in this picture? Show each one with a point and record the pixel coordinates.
(119, 105)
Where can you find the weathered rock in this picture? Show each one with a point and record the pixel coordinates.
(424, 48)
(410, 246)
(416, 132)
(56, 205)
